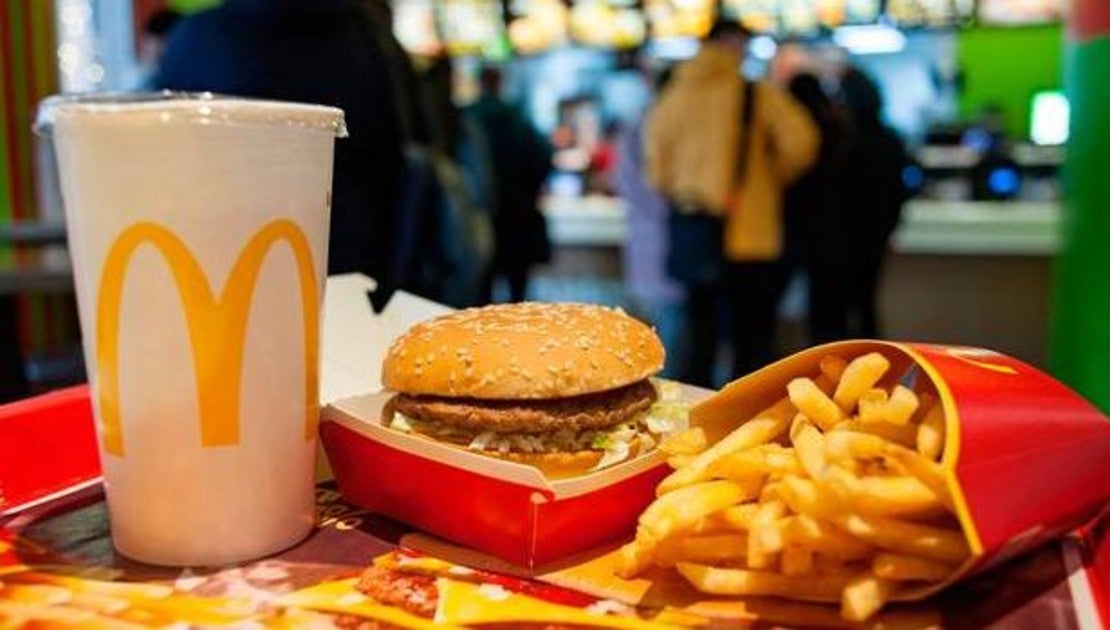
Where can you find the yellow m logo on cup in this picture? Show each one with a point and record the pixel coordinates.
(217, 326)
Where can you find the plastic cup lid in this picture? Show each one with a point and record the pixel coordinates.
(194, 107)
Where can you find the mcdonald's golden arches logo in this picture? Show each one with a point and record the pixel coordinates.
(217, 326)
(978, 358)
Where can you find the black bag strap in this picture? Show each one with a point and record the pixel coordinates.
(747, 113)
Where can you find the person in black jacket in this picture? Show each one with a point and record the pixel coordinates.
(816, 238)
(403, 78)
(313, 51)
(521, 160)
(873, 192)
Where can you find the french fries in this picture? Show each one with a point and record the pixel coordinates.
(679, 461)
(896, 408)
(810, 445)
(863, 597)
(930, 434)
(763, 535)
(885, 496)
(713, 548)
(909, 568)
(681, 509)
(689, 442)
(768, 460)
(859, 376)
(834, 494)
(814, 403)
(720, 581)
(905, 434)
(908, 538)
(851, 444)
(674, 513)
(760, 430)
(738, 516)
(796, 561)
(820, 537)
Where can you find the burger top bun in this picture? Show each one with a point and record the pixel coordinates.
(523, 351)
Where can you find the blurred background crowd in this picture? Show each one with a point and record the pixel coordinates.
(751, 176)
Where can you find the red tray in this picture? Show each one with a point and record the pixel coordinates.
(48, 449)
(47, 446)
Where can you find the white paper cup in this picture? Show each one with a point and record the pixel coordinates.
(198, 230)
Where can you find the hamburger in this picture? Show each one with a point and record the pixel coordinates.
(562, 387)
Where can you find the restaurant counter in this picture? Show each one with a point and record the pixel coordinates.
(959, 271)
(928, 226)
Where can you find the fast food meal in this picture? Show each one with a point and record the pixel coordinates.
(833, 494)
(562, 387)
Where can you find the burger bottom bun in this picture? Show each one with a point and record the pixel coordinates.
(552, 465)
(559, 465)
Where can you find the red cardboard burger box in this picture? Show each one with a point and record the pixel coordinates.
(1028, 461)
(497, 506)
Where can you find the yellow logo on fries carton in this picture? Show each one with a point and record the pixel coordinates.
(976, 357)
(217, 326)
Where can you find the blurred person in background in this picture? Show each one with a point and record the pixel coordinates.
(790, 60)
(603, 158)
(873, 192)
(653, 296)
(521, 160)
(722, 149)
(816, 239)
(445, 242)
(313, 51)
(456, 135)
(403, 77)
(151, 46)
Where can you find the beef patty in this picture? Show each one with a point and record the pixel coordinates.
(589, 411)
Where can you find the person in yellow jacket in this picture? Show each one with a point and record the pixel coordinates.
(723, 150)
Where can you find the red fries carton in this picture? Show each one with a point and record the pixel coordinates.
(1027, 459)
(500, 507)
(1097, 565)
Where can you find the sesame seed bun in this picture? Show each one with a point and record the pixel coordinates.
(523, 351)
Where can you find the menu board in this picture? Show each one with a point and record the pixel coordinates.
(537, 25)
(470, 26)
(414, 24)
(861, 11)
(612, 23)
(801, 17)
(761, 16)
(935, 13)
(1020, 11)
(798, 16)
(679, 18)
